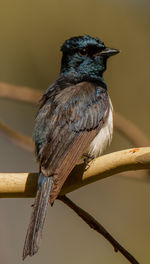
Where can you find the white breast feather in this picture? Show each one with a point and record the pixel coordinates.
(104, 137)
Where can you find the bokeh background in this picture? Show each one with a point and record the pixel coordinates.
(31, 35)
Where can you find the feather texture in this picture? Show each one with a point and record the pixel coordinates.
(66, 124)
(34, 231)
(103, 138)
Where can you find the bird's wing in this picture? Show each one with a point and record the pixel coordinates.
(65, 127)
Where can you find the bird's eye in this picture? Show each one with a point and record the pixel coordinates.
(83, 52)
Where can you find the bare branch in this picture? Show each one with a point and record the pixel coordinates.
(92, 222)
(130, 131)
(21, 93)
(16, 137)
(25, 184)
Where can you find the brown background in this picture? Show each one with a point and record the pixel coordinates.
(31, 35)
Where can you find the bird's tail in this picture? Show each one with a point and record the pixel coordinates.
(34, 231)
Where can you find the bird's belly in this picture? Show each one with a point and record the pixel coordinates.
(103, 138)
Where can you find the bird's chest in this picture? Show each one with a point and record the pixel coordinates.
(103, 138)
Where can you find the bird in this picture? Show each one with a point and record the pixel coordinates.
(74, 120)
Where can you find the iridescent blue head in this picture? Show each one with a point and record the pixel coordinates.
(84, 59)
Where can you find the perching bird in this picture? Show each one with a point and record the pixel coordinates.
(74, 119)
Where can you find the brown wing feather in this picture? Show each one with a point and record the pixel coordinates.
(68, 122)
(68, 162)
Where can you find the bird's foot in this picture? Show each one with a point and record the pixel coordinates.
(87, 159)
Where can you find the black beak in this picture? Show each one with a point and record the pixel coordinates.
(109, 52)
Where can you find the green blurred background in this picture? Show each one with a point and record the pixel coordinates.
(31, 35)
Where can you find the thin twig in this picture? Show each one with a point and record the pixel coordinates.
(129, 130)
(16, 137)
(21, 93)
(92, 222)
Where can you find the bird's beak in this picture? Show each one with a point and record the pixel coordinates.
(109, 52)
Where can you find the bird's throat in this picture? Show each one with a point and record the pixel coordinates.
(73, 77)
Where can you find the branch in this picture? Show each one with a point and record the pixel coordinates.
(21, 93)
(25, 184)
(16, 137)
(130, 131)
(92, 222)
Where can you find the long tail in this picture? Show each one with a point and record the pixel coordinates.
(34, 231)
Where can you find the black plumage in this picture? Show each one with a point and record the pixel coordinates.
(72, 112)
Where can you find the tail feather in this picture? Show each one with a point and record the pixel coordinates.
(34, 231)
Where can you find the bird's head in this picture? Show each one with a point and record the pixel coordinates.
(84, 58)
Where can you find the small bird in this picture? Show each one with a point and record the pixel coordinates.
(74, 120)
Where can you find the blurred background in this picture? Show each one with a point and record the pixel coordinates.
(31, 35)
